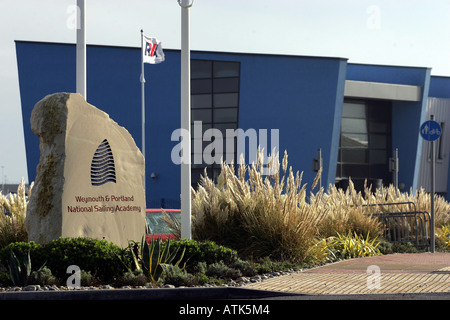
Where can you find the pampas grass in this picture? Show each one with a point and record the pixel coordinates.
(347, 214)
(12, 224)
(274, 215)
(258, 215)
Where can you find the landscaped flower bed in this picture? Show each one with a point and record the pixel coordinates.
(246, 227)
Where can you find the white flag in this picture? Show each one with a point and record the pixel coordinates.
(152, 51)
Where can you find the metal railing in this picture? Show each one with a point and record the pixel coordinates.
(404, 226)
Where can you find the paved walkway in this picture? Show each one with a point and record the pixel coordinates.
(394, 273)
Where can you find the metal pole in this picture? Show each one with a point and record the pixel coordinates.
(142, 79)
(3, 180)
(319, 156)
(81, 49)
(395, 167)
(433, 176)
(142, 94)
(185, 120)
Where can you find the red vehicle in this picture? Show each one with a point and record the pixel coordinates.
(157, 228)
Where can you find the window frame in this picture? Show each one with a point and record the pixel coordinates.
(217, 76)
(374, 121)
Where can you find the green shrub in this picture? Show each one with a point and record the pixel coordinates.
(20, 249)
(43, 276)
(87, 279)
(385, 247)
(99, 257)
(17, 269)
(5, 279)
(204, 251)
(201, 279)
(176, 276)
(221, 271)
(131, 278)
(404, 247)
(247, 268)
(266, 265)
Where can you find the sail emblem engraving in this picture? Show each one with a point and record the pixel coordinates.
(103, 169)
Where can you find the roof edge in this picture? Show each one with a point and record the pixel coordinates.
(192, 51)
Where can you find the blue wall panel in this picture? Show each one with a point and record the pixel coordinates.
(440, 87)
(299, 96)
(389, 74)
(42, 70)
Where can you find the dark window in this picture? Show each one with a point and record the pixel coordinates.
(226, 69)
(201, 69)
(365, 143)
(215, 102)
(204, 115)
(225, 100)
(199, 101)
(225, 85)
(200, 86)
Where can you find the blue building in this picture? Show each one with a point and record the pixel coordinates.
(357, 114)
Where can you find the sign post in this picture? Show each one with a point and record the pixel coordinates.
(431, 131)
(393, 167)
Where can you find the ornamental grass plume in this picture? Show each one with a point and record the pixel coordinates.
(419, 200)
(441, 206)
(13, 208)
(347, 214)
(352, 210)
(409, 201)
(262, 215)
(259, 215)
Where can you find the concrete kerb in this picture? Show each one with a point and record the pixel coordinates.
(190, 294)
(218, 293)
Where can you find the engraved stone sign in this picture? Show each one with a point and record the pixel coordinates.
(90, 177)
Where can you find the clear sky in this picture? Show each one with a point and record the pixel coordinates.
(392, 32)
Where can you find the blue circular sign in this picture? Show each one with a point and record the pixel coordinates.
(430, 130)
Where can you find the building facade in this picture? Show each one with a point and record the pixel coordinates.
(356, 114)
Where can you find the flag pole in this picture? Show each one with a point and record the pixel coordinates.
(185, 121)
(142, 79)
(81, 49)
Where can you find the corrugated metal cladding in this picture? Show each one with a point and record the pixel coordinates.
(440, 108)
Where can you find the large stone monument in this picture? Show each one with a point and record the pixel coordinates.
(90, 177)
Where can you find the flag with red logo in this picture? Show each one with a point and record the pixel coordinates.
(152, 51)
